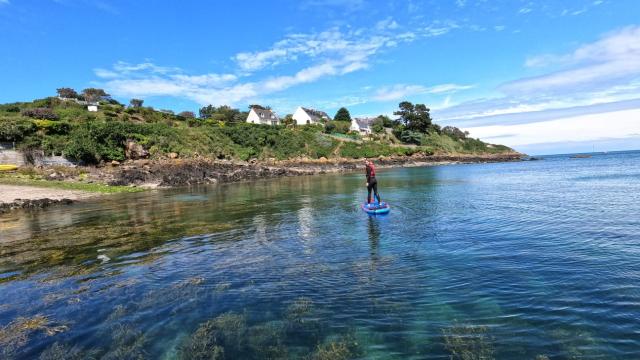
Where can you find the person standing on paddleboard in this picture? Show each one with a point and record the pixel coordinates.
(372, 183)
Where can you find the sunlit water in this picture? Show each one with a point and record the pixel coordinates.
(510, 260)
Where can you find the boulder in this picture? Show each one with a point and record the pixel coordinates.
(134, 151)
(172, 155)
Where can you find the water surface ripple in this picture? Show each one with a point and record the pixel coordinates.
(512, 261)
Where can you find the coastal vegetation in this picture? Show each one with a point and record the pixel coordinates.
(64, 126)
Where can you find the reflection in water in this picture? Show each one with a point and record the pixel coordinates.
(483, 260)
(374, 237)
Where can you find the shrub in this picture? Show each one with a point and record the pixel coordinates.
(15, 129)
(339, 127)
(71, 112)
(11, 108)
(411, 137)
(187, 114)
(40, 113)
(372, 149)
(455, 133)
(377, 126)
(94, 142)
(59, 127)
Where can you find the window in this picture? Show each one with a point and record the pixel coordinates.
(308, 122)
(274, 122)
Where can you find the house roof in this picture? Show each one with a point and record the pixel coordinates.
(267, 113)
(364, 122)
(315, 114)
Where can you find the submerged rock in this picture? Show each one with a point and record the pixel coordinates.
(468, 342)
(343, 348)
(219, 338)
(59, 351)
(32, 204)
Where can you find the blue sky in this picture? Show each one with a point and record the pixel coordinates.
(540, 76)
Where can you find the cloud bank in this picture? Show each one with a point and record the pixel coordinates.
(599, 81)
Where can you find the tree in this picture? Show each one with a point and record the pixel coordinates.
(67, 93)
(136, 103)
(93, 94)
(222, 113)
(455, 133)
(187, 114)
(288, 120)
(378, 125)
(259, 107)
(342, 115)
(386, 121)
(414, 117)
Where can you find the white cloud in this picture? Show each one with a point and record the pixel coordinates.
(333, 52)
(439, 28)
(590, 127)
(255, 61)
(401, 91)
(387, 23)
(331, 43)
(613, 59)
(147, 79)
(335, 43)
(525, 10)
(448, 88)
(499, 27)
(345, 4)
(593, 92)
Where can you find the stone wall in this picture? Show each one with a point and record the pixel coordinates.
(14, 157)
(11, 157)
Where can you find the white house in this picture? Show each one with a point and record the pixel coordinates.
(92, 108)
(304, 116)
(262, 116)
(362, 125)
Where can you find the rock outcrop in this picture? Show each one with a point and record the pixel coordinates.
(32, 204)
(179, 172)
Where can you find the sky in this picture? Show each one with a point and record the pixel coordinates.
(540, 76)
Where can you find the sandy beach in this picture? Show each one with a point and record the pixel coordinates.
(9, 193)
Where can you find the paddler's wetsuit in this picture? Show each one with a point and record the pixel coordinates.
(372, 183)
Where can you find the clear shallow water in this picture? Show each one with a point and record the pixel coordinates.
(510, 260)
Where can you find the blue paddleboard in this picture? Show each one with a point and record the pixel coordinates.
(376, 208)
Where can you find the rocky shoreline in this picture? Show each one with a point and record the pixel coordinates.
(181, 172)
(32, 204)
(168, 173)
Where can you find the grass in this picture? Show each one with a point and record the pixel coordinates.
(67, 185)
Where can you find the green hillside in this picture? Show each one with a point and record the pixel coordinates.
(65, 126)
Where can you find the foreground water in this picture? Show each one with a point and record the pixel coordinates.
(506, 261)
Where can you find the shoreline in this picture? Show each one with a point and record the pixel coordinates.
(135, 175)
(185, 172)
(14, 197)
